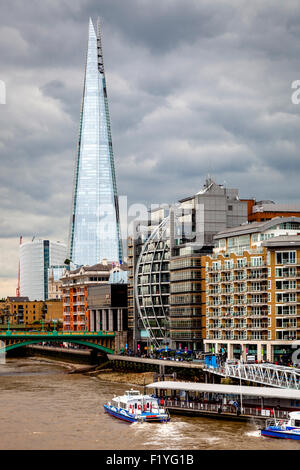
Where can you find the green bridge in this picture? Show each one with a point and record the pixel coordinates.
(100, 340)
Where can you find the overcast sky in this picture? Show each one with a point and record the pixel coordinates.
(195, 87)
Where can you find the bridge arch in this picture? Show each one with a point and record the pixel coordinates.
(89, 344)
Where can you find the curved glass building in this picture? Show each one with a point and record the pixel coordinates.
(152, 281)
(94, 226)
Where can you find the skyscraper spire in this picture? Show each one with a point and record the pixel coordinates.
(94, 225)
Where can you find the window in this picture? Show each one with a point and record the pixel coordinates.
(285, 257)
(228, 264)
(241, 262)
(289, 226)
(222, 243)
(256, 261)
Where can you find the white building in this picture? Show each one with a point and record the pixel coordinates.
(36, 257)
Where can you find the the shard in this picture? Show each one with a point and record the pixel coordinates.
(94, 226)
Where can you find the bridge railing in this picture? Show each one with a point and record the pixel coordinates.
(266, 374)
(57, 333)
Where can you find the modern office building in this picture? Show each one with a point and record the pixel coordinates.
(212, 209)
(107, 304)
(36, 257)
(165, 267)
(151, 283)
(94, 225)
(252, 290)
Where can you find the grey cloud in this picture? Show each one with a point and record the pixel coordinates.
(194, 87)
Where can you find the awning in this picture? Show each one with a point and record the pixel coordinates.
(265, 392)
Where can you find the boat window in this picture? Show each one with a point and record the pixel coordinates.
(297, 423)
(135, 405)
(148, 405)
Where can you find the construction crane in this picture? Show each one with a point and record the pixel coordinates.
(18, 288)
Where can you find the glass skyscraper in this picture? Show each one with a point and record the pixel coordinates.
(36, 258)
(94, 226)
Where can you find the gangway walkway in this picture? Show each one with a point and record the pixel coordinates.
(266, 374)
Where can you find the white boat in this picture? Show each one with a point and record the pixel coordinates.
(283, 429)
(135, 407)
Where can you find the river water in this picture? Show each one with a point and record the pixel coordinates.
(44, 407)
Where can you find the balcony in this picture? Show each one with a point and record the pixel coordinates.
(241, 337)
(257, 337)
(258, 315)
(212, 335)
(263, 326)
(226, 279)
(227, 336)
(210, 293)
(239, 326)
(250, 289)
(288, 326)
(263, 301)
(262, 276)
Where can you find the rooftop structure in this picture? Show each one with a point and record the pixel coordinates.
(252, 235)
(266, 210)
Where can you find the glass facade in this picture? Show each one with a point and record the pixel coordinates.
(152, 284)
(94, 227)
(36, 259)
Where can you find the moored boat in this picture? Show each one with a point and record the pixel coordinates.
(283, 429)
(135, 407)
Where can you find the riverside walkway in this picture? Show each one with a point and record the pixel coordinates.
(159, 362)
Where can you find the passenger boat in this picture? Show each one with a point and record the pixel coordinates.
(283, 429)
(135, 407)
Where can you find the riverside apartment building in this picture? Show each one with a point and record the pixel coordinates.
(253, 290)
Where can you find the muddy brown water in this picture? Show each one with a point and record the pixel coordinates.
(44, 407)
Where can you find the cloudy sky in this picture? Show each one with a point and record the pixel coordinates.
(195, 87)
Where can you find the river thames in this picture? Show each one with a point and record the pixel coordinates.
(44, 407)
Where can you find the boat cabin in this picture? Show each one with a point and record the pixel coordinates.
(135, 401)
(295, 419)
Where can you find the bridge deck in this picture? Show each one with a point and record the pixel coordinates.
(102, 340)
